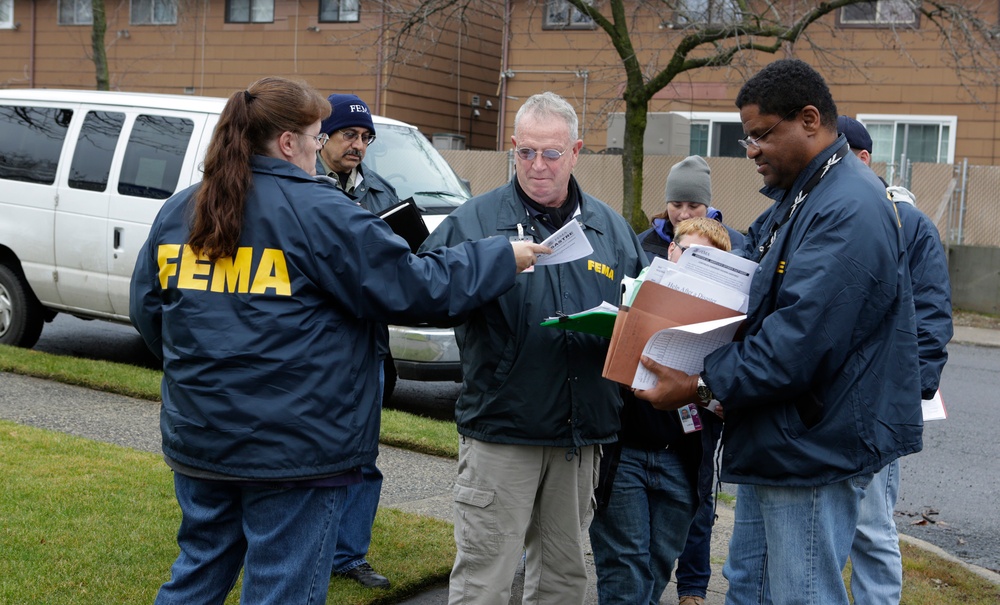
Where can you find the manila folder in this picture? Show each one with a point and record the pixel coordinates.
(654, 308)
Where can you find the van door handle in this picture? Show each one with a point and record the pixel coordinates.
(118, 241)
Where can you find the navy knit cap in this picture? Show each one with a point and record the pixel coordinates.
(348, 110)
(857, 135)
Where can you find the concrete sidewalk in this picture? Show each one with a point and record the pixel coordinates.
(414, 482)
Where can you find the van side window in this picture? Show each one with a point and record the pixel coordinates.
(31, 139)
(95, 149)
(154, 156)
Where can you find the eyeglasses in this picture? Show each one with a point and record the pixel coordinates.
(528, 154)
(683, 249)
(351, 135)
(749, 141)
(321, 138)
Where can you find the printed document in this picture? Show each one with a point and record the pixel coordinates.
(684, 347)
(568, 244)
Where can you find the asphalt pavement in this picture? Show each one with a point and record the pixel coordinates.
(414, 482)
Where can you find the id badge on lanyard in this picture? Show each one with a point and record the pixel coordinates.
(521, 237)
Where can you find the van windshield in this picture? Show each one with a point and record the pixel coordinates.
(405, 158)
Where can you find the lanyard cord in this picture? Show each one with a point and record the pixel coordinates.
(801, 198)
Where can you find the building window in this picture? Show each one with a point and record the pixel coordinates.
(154, 12)
(6, 14)
(898, 139)
(75, 12)
(249, 11)
(883, 13)
(706, 12)
(333, 11)
(560, 14)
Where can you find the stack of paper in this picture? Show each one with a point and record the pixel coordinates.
(680, 313)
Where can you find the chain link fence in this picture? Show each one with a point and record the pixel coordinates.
(962, 200)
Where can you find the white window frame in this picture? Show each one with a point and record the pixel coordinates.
(574, 20)
(6, 14)
(880, 155)
(713, 119)
(706, 12)
(152, 4)
(349, 14)
(82, 13)
(256, 12)
(884, 12)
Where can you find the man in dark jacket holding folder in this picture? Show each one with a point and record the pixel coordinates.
(823, 389)
(351, 131)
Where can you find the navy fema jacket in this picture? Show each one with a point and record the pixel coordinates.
(825, 385)
(269, 357)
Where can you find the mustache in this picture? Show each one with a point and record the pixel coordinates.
(353, 152)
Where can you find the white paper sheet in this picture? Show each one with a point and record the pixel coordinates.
(684, 348)
(568, 244)
(933, 409)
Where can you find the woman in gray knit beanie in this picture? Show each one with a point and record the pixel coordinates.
(688, 195)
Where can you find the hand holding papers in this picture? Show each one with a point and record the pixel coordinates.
(684, 348)
(707, 285)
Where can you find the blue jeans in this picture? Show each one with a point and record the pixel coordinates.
(355, 534)
(282, 539)
(876, 566)
(637, 537)
(694, 566)
(790, 544)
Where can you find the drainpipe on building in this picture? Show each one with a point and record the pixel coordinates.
(502, 84)
(380, 64)
(31, 60)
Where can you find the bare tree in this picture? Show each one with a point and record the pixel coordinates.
(708, 35)
(99, 28)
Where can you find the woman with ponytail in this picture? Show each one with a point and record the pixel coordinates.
(261, 289)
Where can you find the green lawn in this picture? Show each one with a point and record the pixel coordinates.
(86, 522)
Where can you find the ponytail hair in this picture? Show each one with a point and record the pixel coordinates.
(249, 122)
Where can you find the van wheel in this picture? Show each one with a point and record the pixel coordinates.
(389, 366)
(21, 315)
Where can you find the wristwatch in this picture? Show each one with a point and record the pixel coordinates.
(704, 393)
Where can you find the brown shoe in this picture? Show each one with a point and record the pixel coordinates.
(689, 599)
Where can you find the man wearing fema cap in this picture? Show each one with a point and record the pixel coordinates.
(351, 131)
(876, 565)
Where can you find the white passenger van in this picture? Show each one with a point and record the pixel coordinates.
(83, 174)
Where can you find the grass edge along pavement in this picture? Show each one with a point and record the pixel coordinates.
(399, 429)
(84, 522)
(929, 578)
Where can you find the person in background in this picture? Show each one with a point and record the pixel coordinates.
(689, 195)
(534, 410)
(261, 289)
(351, 131)
(650, 486)
(876, 565)
(819, 390)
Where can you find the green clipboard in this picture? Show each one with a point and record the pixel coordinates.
(599, 320)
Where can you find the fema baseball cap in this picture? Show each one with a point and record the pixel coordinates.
(348, 110)
(857, 135)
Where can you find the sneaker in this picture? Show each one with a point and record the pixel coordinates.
(690, 599)
(364, 574)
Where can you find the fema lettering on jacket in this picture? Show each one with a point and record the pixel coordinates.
(604, 270)
(180, 267)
